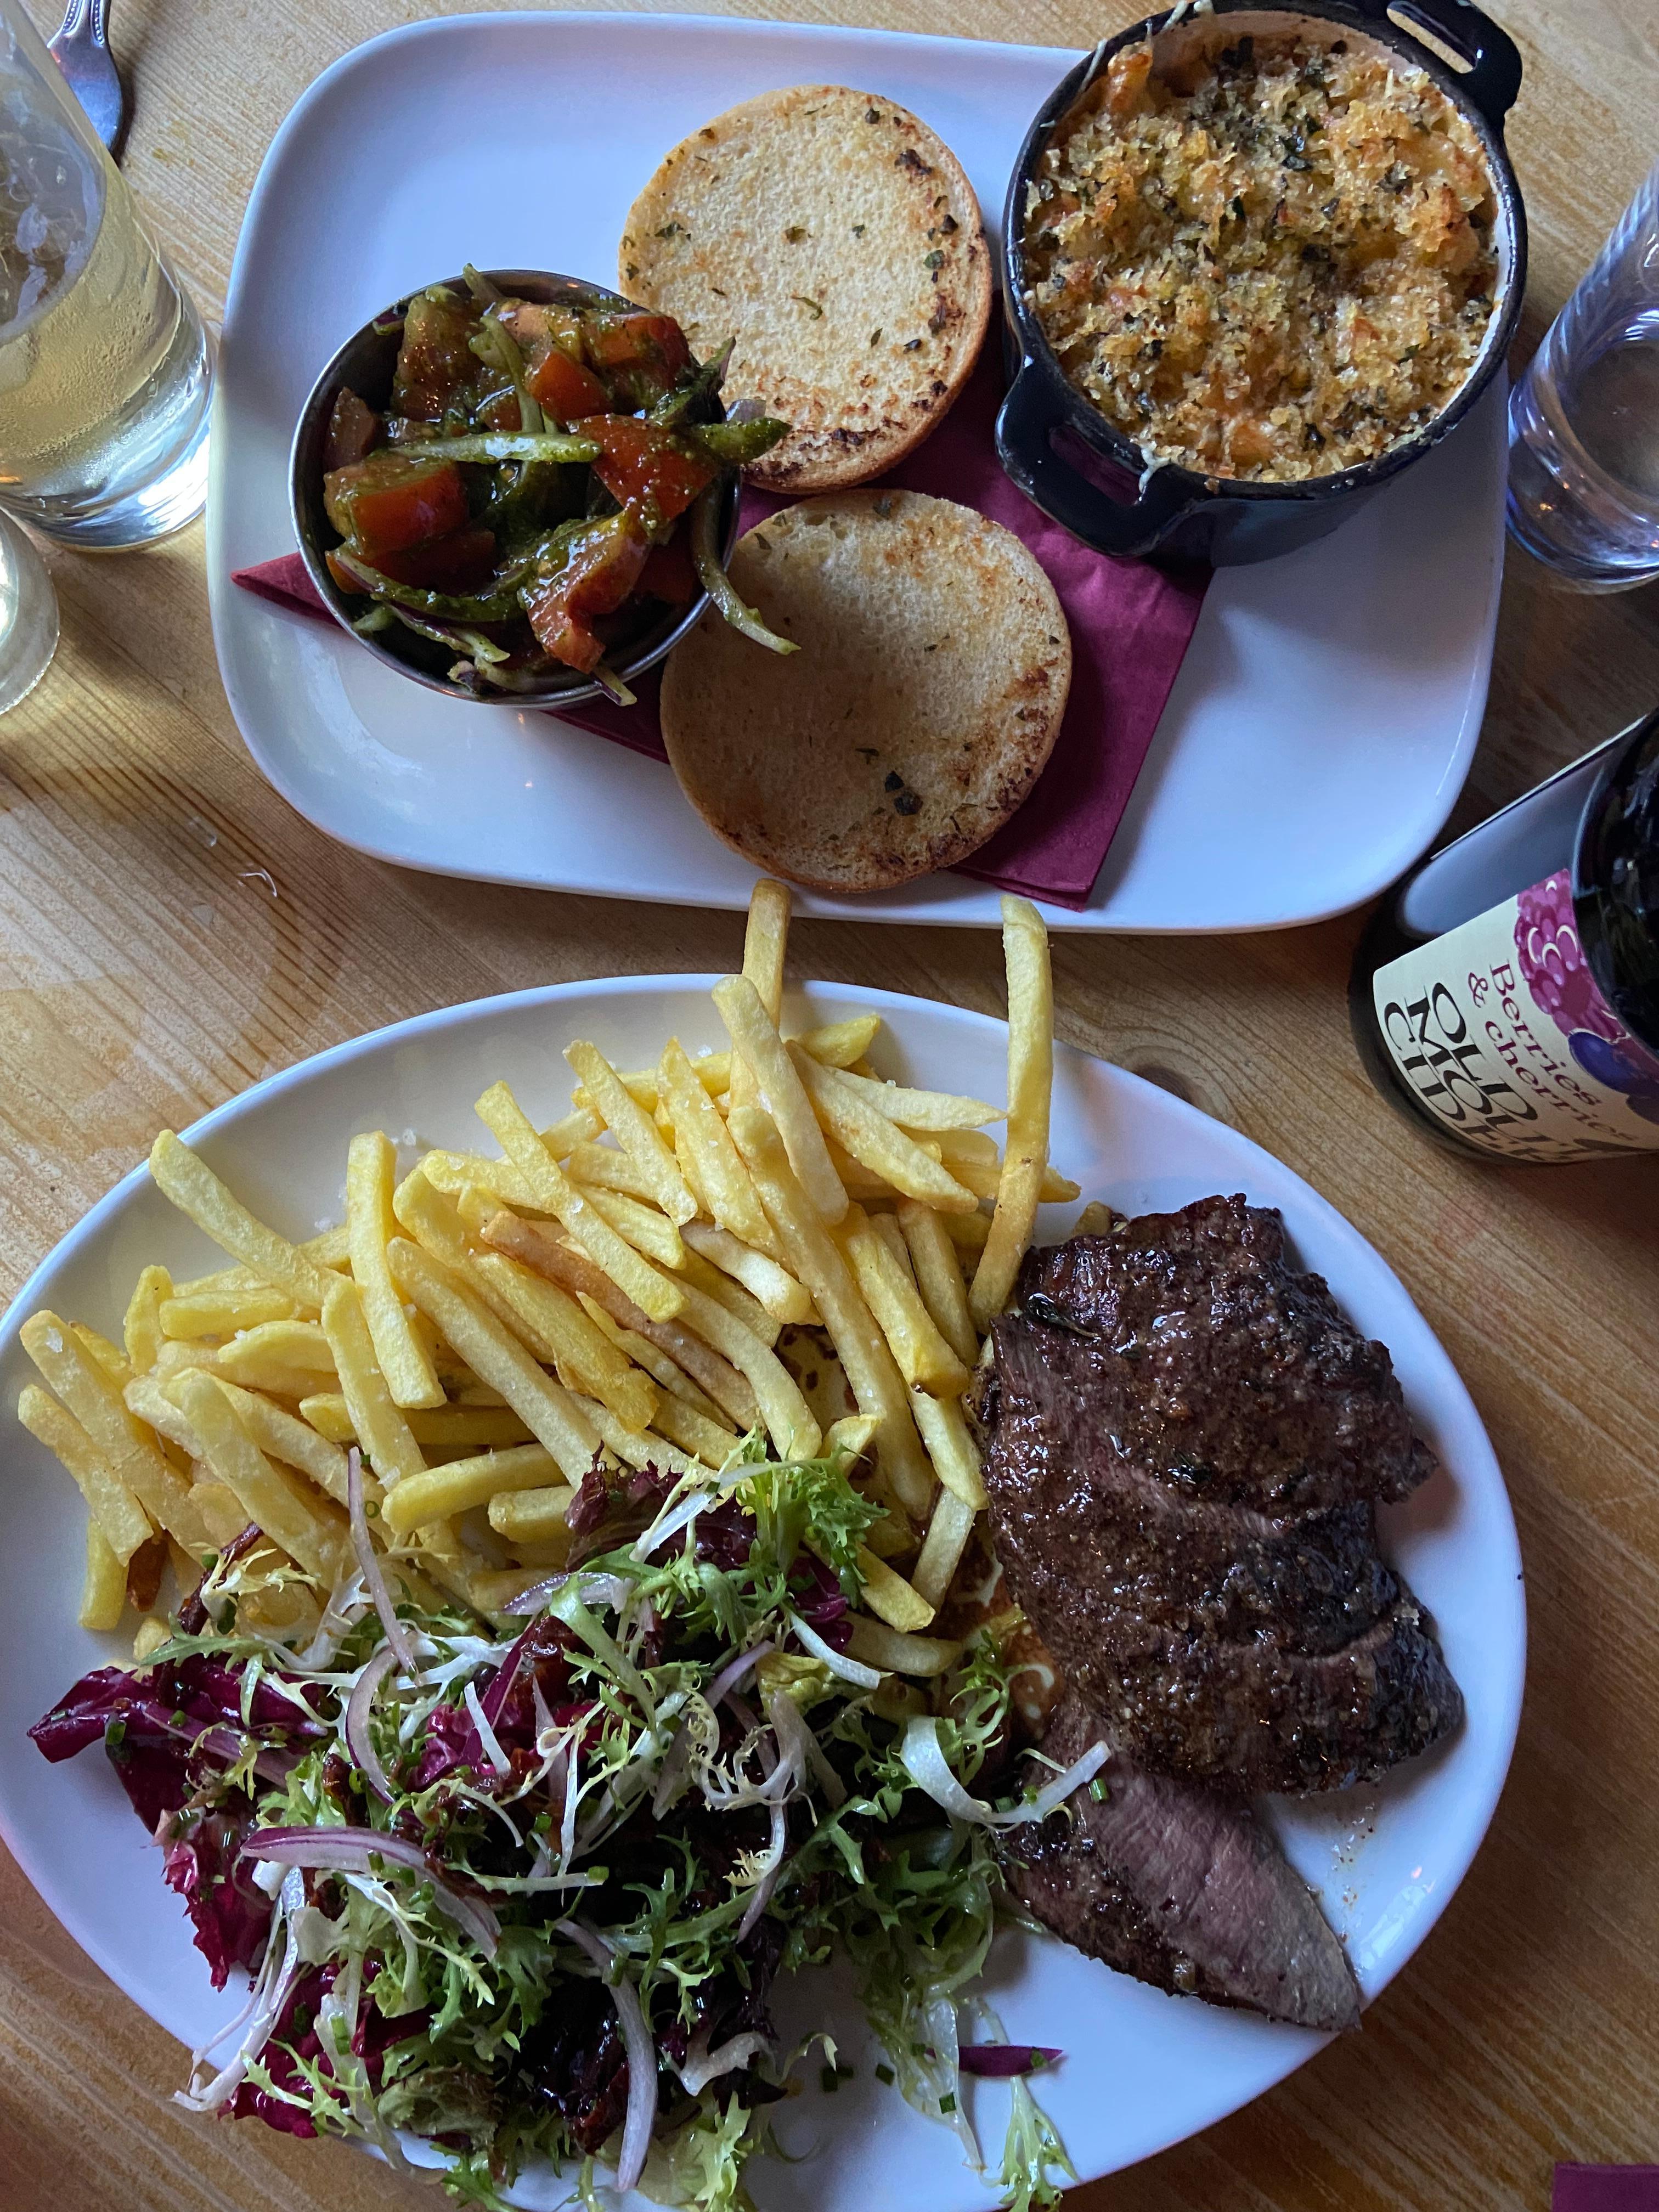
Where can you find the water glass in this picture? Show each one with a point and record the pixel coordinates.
(28, 616)
(1583, 491)
(105, 367)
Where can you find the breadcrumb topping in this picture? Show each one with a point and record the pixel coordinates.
(1273, 261)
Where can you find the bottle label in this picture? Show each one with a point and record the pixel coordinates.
(1502, 1031)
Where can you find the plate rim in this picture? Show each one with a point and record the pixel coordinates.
(1453, 1401)
(223, 597)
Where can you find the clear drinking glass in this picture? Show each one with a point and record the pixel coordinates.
(28, 616)
(1584, 420)
(105, 367)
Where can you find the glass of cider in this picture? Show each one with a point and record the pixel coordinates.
(104, 366)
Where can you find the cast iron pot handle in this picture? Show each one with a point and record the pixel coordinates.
(1494, 73)
(1028, 416)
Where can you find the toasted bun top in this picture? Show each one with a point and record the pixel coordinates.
(840, 242)
(924, 700)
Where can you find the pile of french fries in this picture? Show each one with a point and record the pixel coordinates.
(638, 1284)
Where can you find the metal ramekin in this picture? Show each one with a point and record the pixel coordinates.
(1173, 512)
(364, 362)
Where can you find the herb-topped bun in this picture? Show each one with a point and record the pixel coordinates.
(921, 707)
(840, 244)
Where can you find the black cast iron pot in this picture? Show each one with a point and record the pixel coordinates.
(1173, 512)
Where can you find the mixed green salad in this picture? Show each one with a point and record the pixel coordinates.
(526, 1897)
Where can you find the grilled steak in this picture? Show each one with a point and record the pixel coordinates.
(1180, 1887)
(1185, 1438)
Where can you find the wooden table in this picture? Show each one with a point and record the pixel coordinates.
(146, 974)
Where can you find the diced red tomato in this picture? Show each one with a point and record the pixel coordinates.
(354, 429)
(643, 468)
(565, 387)
(394, 499)
(624, 341)
(600, 574)
(436, 367)
(464, 561)
(670, 573)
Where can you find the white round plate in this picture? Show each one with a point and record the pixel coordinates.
(1320, 725)
(1143, 2070)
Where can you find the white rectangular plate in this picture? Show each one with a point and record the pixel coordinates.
(1322, 724)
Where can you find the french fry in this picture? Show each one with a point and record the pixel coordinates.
(984, 1179)
(112, 1504)
(770, 1286)
(695, 1433)
(152, 1633)
(788, 1416)
(642, 1227)
(1097, 1219)
(383, 1431)
(496, 1357)
(308, 1528)
(946, 1541)
(875, 1379)
(889, 1597)
(104, 1587)
(607, 1167)
(754, 1037)
(441, 1492)
(561, 1263)
(371, 1177)
(196, 1190)
(287, 1357)
(222, 1313)
(141, 1330)
(951, 1447)
(853, 1433)
(533, 1516)
(1030, 1080)
(638, 1451)
(329, 1248)
(964, 1147)
(920, 1110)
(838, 1045)
(712, 1157)
(939, 1276)
(579, 1127)
(490, 1590)
(443, 1428)
(224, 1514)
(766, 934)
(874, 1645)
(631, 1125)
(968, 1232)
(889, 1288)
(864, 1132)
(554, 1193)
(276, 1430)
(112, 1358)
(656, 1362)
(701, 1276)
(94, 1399)
(455, 1172)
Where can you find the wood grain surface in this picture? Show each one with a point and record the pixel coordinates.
(146, 972)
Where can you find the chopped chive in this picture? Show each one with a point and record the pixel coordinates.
(885, 2074)
(947, 2104)
(829, 2081)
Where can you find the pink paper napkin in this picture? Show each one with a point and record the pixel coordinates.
(1131, 625)
(1605, 2189)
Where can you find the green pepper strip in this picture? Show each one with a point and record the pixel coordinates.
(501, 606)
(508, 445)
(711, 573)
(673, 407)
(496, 347)
(735, 443)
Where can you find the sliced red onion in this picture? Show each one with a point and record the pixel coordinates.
(846, 1669)
(350, 1851)
(923, 1760)
(802, 1746)
(359, 1742)
(1003, 2062)
(642, 2115)
(277, 1972)
(487, 1735)
(703, 2065)
(610, 1590)
(760, 1896)
(369, 1560)
(669, 1524)
(734, 1671)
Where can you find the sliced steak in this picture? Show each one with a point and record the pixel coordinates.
(1182, 1887)
(1221, 1369)
(1240, 1626)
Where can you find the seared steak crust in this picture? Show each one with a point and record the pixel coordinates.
(1223, 1371)
(1222, 1604)
(1180, 1886)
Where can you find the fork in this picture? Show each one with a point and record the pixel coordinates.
(80, 50)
